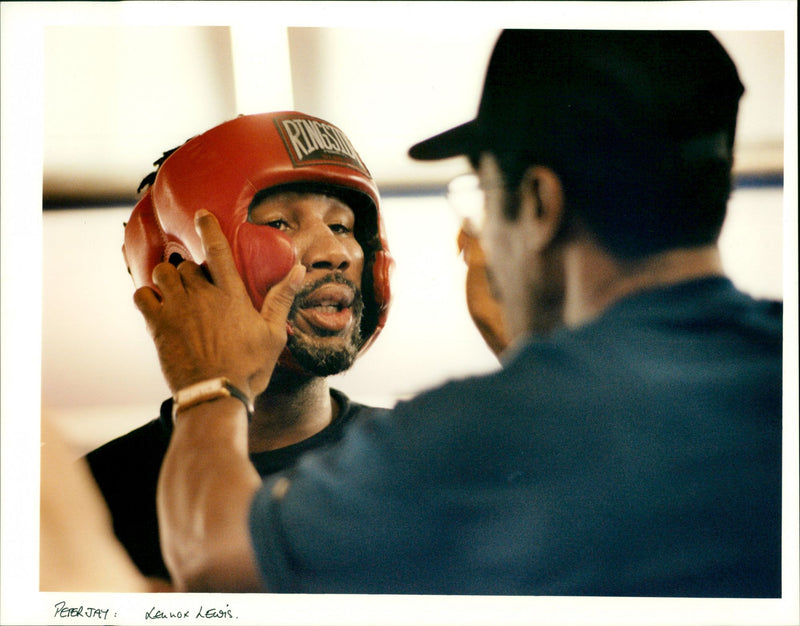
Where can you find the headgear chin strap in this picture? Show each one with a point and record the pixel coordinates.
(223, 169)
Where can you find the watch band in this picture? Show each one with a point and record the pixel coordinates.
(206, 391)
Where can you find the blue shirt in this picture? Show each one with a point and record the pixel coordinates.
(637, 455)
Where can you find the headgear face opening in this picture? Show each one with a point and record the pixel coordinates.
(224, 168)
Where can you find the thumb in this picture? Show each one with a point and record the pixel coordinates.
(470, 247)
(280, 297)
(462, 240)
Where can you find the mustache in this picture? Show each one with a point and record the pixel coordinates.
(301, 297)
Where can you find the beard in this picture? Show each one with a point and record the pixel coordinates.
(320, 358)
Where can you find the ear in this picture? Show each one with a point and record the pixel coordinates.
(541, 204)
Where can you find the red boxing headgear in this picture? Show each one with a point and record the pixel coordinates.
(223, 169)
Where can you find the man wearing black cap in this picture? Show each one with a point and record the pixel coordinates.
(631, 445)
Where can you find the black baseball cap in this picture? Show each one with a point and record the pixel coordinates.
(588, 94)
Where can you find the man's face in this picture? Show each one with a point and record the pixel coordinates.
(496, 240)
(325, 318)
(526, 281)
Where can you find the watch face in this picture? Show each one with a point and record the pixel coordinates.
(199, 392)
(202, 391)
(208, 390)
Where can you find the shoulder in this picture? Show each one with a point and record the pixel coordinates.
(140, 451)
(350, 410)
(151, 433)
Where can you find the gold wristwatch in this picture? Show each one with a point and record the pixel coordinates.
(205, 391)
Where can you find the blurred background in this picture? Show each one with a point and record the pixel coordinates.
(117, 95)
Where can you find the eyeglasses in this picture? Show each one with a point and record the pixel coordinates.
(467, 198)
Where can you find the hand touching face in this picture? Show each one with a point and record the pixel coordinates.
(207, 328)
(484, 309)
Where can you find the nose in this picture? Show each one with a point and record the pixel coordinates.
(319, 248)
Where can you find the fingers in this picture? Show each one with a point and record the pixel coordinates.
(147, 301)
(470, 228)
(219, 258)
(469, 245)
(280, 297)
(166, 278)
(168, 281)
(463, 239)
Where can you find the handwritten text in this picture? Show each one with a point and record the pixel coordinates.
(62, 610)
(200, 613)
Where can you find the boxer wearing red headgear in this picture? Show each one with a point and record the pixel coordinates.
(228, 168)
(285, 188)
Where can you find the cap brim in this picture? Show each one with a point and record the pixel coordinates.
(456, 141)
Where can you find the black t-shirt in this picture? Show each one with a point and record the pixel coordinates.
(126, 470)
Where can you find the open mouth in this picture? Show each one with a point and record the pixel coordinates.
(328, 308)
